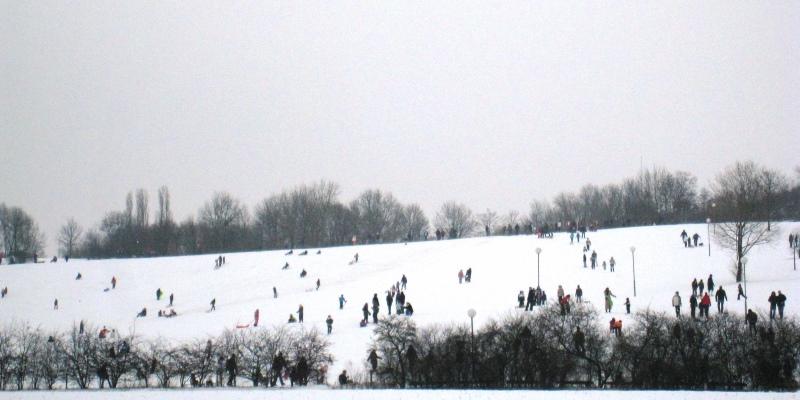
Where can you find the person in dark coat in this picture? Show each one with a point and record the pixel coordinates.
(531, 299)
(773, 304)
(741, 293)
(373, 360)
(376, 306)
(365, 310)
(521, 299)
(693, 305)
(710, 283)
(389, 300)
(752, 319)
(231, 366)
(278, 364)
(780, 300)
(694, 287)
(300, 314)
(721, 298)
(171, 298)
(329, 323)
(343, 378)
(579, 294)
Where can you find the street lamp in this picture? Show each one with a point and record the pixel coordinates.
(471, 313)
(538, 251)
(708, 235)
(633, 259)
(744, 277)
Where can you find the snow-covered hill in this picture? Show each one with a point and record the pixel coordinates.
(502, 266)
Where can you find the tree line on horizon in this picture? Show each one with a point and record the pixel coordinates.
(314, 216)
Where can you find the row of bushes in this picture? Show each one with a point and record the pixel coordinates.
(31, 358)
(541, 350)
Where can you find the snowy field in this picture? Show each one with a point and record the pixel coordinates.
(502, 266)
(323, 394)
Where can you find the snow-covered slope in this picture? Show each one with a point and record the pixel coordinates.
(502, 266)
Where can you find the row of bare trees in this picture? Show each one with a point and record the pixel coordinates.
(544, 350)
(314, 216)
(31, 358)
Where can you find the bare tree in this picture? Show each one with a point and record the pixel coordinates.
(456, 219)
(21, 235)
(488, 219)
(223, 221)
(774, 184)
(69, 237)
(739, 194)
(393, 335)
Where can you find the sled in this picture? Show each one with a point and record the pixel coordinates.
(242, 326)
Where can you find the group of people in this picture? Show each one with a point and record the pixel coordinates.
(219, 262)
(536, 297)
(464, 277)
(776, 302)
(687, 240)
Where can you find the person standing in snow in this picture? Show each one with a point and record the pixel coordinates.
(560, 293)
(113, 282)
(710, 283)
(521, 299)
(171, 298)
(531, 299)
(608, 302)
(274, 292)
(685, 238)
(584, 260)
(579, 294)
(594, 257)
(300, 314)
(403, 282)
(213, 304)
(329, 323)
(341, 301)
(389, 300)
(611, 264)
(721, 297)
(752, 319)
(255, 318)
(780, 300)
(365, 310)
(158, 294)
(694, 287)
(468, 275)
(700, 287)
(693, 305)
(627, 305)
(55, 304)
(318, 283)
(695, 237)
(773, 304)
(460, 276)
(376, 306)
(676, 302)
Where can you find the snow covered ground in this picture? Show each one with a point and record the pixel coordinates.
(502, 266)
(322, 394)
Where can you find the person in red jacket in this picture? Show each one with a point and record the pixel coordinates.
(705, 305)
(255, 317)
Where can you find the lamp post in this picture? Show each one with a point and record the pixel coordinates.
(744, 277)
(538, 251)
(708, 235)
(471, 313)
(633, 259)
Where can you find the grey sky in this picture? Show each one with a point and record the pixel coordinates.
(489, 103)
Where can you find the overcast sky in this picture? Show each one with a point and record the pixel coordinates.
(490, 103)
